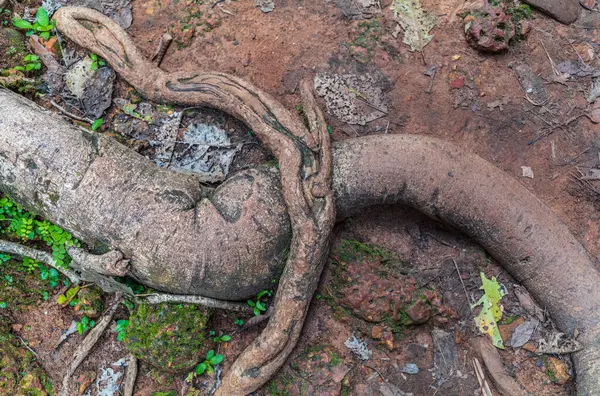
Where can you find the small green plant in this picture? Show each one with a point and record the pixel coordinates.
(96, 124)
(129, 109)
(30, 62)
(121, 329)
(42, 24)
(96, 62)
(219, 338)
(208, 365)
(69, 297)
(258, 304)
(2, 305)
(11, 51)
(238, 322)
(84, 325)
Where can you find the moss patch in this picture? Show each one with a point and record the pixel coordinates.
(19, 373)
(170, 337)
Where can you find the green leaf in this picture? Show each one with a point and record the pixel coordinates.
(260, 306)
(2, 305)
(251, 303)
(216, 359)
(93, 57)
(225, 338)
(45, 35)
(29, 66)
(19, 68)
(61, 300)
(201, 368)
(210, 354)
(256, 311)
(41, 17)
(95, 126)
(491, 310)
(43, 28)
(21, 23)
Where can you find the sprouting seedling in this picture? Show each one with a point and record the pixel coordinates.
(84, 325)
(121, 329)
(219, 338)
(239, 322)
(259, 304)
(42, 24)
(96, 62)
(208, 365)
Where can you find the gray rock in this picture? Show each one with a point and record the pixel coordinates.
(565, 11)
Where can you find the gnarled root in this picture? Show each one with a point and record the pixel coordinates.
(458, 188)
(304, 158)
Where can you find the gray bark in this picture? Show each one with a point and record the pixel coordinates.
(231, 242)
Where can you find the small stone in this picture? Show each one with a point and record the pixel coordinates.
(565, 11)
(377, 332)
(410, 368)
(419, 312)
(247, 60)
(557, 371)
(388, 340)
(530, 347)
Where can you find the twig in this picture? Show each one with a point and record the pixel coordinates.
(440, 241)
(130, 376)
(462, 283)
(483, 384)
(226, 11)
(431, 80)
(73, 116)
(27, 346)
(157, 298)
(534, 103)
(38, 255)
(83, 350)
(161, 48)
(550, 59)
(217, 2)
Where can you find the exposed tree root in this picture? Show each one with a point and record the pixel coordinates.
(311, 211)
(84, 349)
(457, 188)
(43, 257)
(157, 298)
(130, 376)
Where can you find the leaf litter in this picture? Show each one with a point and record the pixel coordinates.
(416, 23)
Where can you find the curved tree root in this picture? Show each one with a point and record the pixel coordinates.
(311, 213)
(458, 188)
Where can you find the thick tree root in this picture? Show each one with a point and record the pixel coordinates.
(430, 175)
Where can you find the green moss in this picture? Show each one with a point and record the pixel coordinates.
(352, 250)
(279, 386)
(19, 372)
(170, 337)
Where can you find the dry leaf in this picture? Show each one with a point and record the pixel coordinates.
(527, 172)
(415, 22)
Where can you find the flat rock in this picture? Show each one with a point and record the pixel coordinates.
(565, 11)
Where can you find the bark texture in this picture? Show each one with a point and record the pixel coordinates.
(428, 174)
(229, 242)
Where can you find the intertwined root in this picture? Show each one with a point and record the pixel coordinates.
(433, 176)
(305, 165)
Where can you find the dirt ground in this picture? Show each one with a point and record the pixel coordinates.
(475, 101)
